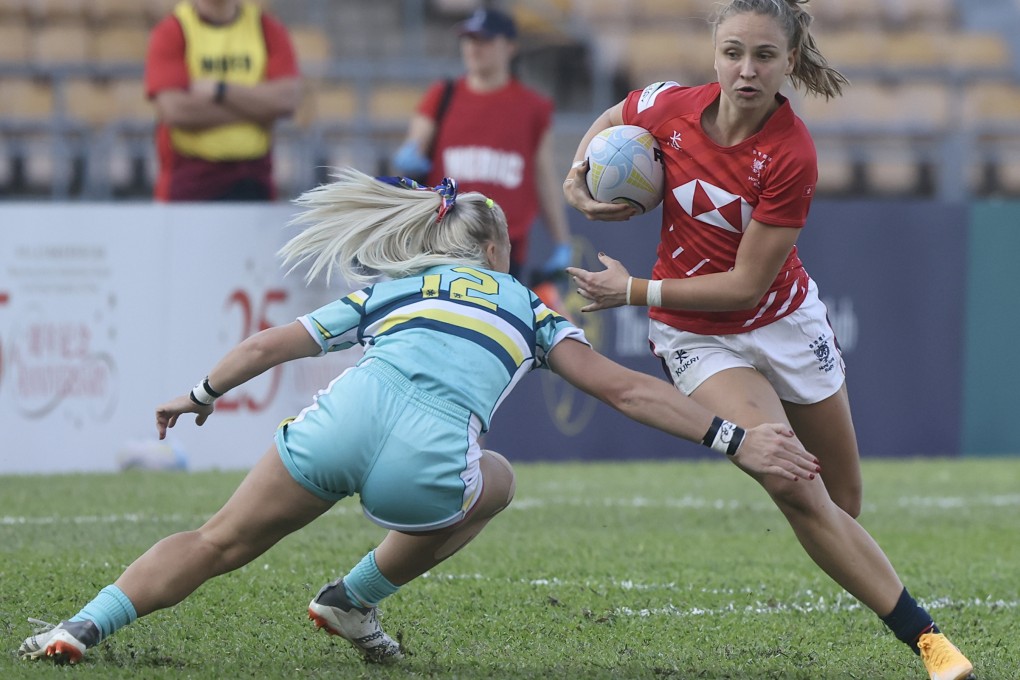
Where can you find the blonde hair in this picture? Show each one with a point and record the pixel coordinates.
(360, 227)
(811, 71)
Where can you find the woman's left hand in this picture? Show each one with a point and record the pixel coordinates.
(167, 414)
(606, 289)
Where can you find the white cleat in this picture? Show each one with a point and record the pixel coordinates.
(334, 612)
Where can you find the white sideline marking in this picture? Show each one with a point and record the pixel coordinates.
(699, 503)
(683, 503)
(803, 602)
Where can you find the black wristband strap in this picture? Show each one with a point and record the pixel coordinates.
(735, 439)
(209, 389)
(204, 395)
(221, 92)
(712, 431)
(723, 436)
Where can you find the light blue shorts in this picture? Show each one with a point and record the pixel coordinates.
(412, 457)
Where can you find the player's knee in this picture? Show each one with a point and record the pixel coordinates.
(499, 480)
(795, 499)
(849, 500)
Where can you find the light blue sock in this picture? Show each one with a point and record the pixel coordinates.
(111, 610)
(366, 584)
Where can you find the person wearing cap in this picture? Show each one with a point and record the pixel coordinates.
(493, 134)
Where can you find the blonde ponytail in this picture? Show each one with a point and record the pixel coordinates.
(360, 228)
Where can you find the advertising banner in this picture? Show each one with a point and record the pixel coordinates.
(107, 311)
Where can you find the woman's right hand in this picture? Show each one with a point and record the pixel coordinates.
(575, 191)
(773, 449)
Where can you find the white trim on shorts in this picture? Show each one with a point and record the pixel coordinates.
(798, 353)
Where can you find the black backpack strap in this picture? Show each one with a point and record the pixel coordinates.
(444, 104)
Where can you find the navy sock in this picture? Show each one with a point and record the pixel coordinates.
(908, 621)
(111, 610)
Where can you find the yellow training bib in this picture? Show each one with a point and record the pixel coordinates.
(234, 53)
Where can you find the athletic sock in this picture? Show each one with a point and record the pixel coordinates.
(111, 610)
(366, 585)
(908, 621)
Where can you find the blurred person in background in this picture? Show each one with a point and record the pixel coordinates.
(221, 73)
(494, 135)
(732, 309)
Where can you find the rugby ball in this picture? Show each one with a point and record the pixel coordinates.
(625, 166)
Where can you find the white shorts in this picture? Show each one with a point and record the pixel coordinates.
(797, 354)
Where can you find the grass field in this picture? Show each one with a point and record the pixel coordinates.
(643, 570)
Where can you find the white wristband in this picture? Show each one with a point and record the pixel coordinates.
(655, 293)
(724, 436)
(201, 395)
(630, 282)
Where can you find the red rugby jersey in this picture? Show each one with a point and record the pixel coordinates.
(488, 142)
(713, 192)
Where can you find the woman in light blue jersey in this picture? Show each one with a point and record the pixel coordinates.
(447, 336)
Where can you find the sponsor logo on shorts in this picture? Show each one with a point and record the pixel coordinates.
(823, 353)
(682, 360)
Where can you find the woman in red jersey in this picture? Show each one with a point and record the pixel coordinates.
(732, 310)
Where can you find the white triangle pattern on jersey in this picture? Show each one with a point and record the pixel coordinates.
(720, 198)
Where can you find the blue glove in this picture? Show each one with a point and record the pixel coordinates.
(408, 160)
(559, 260)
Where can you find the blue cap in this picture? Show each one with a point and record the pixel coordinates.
(488, 23)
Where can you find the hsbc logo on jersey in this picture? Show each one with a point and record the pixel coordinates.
(714, 206)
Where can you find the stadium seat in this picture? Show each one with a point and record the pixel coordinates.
(64, 43)
(130, 102)
(863, 107)
(293, 166)
(313, 47)
(925, 107)
(836, 168)
(991, 106)
(106, 12)
(15, 41)
(936, 14)
(652, 55)
(894, 168)
(991, 113)
(25, 100)
(36, 153)
(983, 50)
(393, 103)
(1008, 168)
(86, 102)
(121, 44)
(666, 11)
(852, 48)
(919, 49)
(602, 12)
(13, 10)
(332, 103)
(157, 9)
(50, 11)
(121, 155)
(856, 14)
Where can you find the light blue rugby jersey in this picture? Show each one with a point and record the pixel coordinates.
(464, 334)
